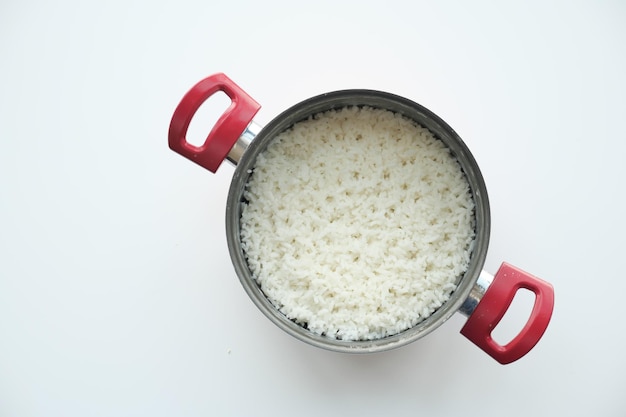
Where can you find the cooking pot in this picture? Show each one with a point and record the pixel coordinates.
(482, 297)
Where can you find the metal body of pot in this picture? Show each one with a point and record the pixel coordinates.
(483, 297)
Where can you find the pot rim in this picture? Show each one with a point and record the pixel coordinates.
(380, 100)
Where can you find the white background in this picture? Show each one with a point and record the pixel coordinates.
(117, 295)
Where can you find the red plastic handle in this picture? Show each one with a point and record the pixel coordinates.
(496, 301)
(226, 131)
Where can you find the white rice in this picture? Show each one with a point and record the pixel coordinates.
(358, 223)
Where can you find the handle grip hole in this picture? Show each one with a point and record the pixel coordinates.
(206, 117)
(516, 317)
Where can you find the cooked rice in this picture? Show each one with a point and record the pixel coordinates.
(357, 223)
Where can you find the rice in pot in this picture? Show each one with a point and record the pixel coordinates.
(357, 223)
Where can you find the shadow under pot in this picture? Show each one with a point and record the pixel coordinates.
(358, 221)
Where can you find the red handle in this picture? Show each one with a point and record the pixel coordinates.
(495, 303)
(226, 131)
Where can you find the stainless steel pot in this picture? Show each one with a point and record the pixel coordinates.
(483, 297)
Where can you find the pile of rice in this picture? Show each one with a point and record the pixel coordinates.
(357, 223)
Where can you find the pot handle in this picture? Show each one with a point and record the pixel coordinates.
(226, 131)
(496, 301)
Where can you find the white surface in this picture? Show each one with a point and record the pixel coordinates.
(117, 296)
